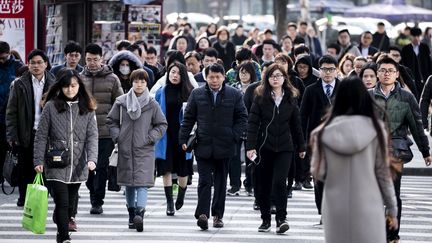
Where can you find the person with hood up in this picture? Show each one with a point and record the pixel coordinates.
(354, 163)
(303, 68)
(136, 123)
(123, 64)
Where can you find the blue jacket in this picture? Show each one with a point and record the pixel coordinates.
(54, 70)
(7, 75)
(161, 145)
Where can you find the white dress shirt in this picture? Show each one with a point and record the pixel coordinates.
(37, 94)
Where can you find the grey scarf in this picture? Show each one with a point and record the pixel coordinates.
(134, 104)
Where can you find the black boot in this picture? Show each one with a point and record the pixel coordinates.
(180, 198)
(138, 220)
(131, 218)
(170, 202)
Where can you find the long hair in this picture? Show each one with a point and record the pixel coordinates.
(86, 102)
(186, 86)
(352, 98)
(264, 89)
(248, 67)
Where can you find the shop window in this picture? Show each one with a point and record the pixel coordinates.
(145, 24)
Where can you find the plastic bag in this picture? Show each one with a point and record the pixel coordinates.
(36, 206)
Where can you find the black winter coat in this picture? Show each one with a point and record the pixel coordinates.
(226, 54)
(421, 65)
(275, 128)
(20, 113)
(219, 125)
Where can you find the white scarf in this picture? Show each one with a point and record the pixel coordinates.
(134, 104)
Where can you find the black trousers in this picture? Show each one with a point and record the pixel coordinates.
(318, 190)
(292, 173)
(97, 179)
(394, 234)
(3, 149)
(26, 172)
(65, 196)
(235, 168)
(211, 171)
(271, 174)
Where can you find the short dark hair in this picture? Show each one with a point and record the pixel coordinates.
(388, 60)
(292, 24)
(334, 46)
(37, 52)
(151, 50)
(72, 46)
(303, 23)
(327, 59)
(122, 44)
(243, 54)
(172, 56)
(415, 31)
(215, 68)
(4, 47)
(195, 54)
(210, 52)
(139, 74)
(239, 26)
(344, 31)
(298, 40)
(268, 31)
(270, 42)
(380, 24)
(301, 49)
(94, 49)
(394, 48)
(366, 32)
(142, 42)
(135, 47)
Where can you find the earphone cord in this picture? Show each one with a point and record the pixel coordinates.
(265, 137)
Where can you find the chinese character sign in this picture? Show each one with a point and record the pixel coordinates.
(16, 25)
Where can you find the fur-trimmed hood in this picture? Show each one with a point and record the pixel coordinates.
(124, 55)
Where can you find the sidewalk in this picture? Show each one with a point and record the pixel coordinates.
(417, 166)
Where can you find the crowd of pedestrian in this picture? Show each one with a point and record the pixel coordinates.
(245, 98)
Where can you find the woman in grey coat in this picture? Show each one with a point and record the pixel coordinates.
(350, 155)
(142, 125)
(67, 123)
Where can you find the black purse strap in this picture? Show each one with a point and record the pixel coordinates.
(4, 191)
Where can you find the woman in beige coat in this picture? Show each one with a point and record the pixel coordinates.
(350, 156)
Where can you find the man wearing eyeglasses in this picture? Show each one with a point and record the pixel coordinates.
(316, 100)
(105, 87)
(402, 113)
(23, 113)
(72, 52)
(8, 69)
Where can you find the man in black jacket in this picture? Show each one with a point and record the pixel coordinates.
(23, 113)
(221, 116)
(316, 100)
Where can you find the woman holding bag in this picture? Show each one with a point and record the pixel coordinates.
(66, 144)
(142, 125)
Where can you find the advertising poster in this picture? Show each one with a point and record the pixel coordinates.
(145, 24)
(17, 25)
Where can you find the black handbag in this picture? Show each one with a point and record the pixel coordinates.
(400, 148)
(112, 179)
(57, 158)
(10, 171)
(192, 141)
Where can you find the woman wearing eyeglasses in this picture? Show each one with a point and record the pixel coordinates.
(274, 130)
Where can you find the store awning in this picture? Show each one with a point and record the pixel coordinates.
(141, 2)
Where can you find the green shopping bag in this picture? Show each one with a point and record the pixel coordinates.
(36, 206)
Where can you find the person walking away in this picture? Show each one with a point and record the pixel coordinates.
(142, 124)
(354, 162)
(23, 114)
(221, 118)
(68, 122)
(103, 84)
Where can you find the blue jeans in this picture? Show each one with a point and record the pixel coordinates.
(136, 194)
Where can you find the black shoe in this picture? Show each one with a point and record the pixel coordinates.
(233, 191)
(217, 222)
(203, 222)
(307, 185)
(20, 202)
(297, 186)
(96, 210)
(273, 209)
(281, 226)
(180, 197)
(265, 226)
(131, 212)
(289, 194)
(138, 220)
(170, 203)
(256, 206)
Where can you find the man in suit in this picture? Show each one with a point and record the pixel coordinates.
(365, 46)
(380, 39)
(316, 99)
(416, 56)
